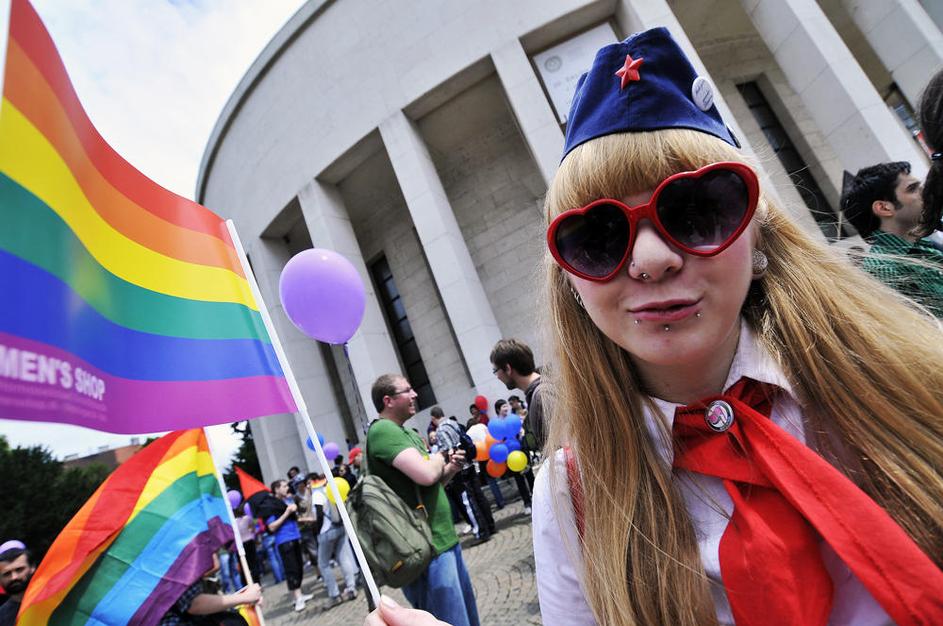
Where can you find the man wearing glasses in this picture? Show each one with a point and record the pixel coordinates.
(398, 456)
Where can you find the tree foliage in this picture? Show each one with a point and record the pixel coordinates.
(245, 457)
(41, 495)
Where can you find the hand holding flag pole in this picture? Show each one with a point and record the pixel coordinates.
(235, 530)
(349, 303)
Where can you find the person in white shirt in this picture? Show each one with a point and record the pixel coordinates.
(332, 541)
(749, 428)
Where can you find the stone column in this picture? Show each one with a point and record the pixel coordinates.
(838, 95)
(533, 112)
(453, 270)
(904, 37)
(371, 348)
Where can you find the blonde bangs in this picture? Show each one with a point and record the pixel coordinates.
(622, 164)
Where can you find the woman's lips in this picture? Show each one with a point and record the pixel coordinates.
(672, 311)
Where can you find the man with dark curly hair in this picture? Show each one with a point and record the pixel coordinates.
(883, 202)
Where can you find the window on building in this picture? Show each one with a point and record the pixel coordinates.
(792, 161)
(414, 369)
(901, 108)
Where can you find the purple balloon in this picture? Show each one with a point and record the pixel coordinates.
(247, 509)
(13, 544)
(234, 497)
(331, 450)
(323, 295)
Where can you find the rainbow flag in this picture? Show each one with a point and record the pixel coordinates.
(145, 536)
(125, 307)
(249, 614)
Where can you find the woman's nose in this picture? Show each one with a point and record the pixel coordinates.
(652, 257)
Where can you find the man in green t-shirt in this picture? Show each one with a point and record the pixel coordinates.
(398, 455)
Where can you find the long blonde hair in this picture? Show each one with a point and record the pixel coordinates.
(866, 365)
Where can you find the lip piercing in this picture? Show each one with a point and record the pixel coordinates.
(698, 314)
(645, 276)
(637, 322)
(667, 327)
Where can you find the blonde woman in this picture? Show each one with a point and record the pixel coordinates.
(754, 427)
(746, 428)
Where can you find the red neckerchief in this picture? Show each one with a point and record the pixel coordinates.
(785, 498)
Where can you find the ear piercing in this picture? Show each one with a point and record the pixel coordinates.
(759, 263)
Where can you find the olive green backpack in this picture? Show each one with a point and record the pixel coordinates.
(395, 538)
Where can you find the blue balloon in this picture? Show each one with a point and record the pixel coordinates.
(512, 444)
(512, 426)
(310, 443)
(499, 453)
(496, 428)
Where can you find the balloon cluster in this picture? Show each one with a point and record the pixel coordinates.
(331, 449)
(497, 443)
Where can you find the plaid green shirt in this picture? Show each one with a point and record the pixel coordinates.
(923, 284)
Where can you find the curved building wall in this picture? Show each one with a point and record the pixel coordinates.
(422, 135)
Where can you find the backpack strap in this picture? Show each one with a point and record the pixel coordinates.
(576, 489)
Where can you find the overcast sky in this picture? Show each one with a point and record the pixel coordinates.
(153, 76)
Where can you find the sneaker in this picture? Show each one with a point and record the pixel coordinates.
(466, 529)
(526, 510)
(349, 594)
(299, 605)
(332, 602)
(306, 596)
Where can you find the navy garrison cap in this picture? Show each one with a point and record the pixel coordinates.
(643, 83)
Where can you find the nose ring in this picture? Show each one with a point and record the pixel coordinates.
(645, 276)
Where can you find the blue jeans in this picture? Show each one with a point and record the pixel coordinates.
(273, 557)
(229, 577)
(445, 590)
(335, 540)
(496, 492)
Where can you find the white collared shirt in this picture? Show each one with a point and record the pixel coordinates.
(556, 544)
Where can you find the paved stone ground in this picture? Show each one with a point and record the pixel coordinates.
(502, 572)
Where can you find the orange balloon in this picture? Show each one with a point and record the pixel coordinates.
(482, 451)
(496, 470)
(490, 441)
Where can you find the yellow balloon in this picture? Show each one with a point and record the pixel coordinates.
(517, 461)
(343, 486)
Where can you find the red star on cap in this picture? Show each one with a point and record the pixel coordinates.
(629, 71)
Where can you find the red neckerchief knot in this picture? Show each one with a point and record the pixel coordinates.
(786, 498)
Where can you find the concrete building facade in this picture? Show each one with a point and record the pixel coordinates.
(418, 139)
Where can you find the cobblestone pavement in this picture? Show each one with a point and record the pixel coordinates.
(502, 572)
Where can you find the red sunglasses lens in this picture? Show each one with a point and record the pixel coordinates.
(703, 213)
(594, 243)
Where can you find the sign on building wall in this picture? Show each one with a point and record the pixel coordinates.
(561, 66)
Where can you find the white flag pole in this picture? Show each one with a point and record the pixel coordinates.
(232, 522)
(303, 410)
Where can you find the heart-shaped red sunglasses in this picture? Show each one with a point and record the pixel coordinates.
(700, 212)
